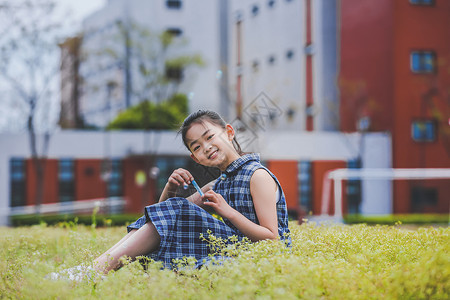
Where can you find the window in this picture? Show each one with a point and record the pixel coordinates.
(422, 2)
(305, 185)
(66, 180)
(423, 199)
(174, 72)
(423, 131)
(115, 180)
(291, 113)
(174, 31)
(271, 3)
(18, 180)
(255, 10)
(354, 189)
(289, 54)
(174, 4)
(423, 62)
(255, 66)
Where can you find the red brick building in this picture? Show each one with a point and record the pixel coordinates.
(395, 76)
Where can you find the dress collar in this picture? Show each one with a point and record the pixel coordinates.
(241, 161)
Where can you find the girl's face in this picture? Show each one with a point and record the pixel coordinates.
(211, 145)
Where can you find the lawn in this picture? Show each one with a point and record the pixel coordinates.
(325, 262)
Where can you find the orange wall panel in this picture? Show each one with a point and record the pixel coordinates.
(319, 168)
(287, 173)
(137, 196)
(88, 183)
(50, 191)
(402, 204)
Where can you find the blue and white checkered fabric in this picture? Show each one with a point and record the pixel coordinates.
(180, 222)
(234, 186)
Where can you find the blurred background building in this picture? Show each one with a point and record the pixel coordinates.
(123, 36)
(313, 85)
(288, 49)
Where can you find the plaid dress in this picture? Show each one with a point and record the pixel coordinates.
(180, 222)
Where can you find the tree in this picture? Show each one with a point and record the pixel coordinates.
(146, 66)
(145, 115)
(134, 65)
(28, 67)
(156, 57)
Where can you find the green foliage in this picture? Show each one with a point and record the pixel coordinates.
(88, 220)
(123, 219)
(324, 262)
(185, 60)
(393, 219)
(147, 115)
(94, 217)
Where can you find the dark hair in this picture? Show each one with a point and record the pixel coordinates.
(201, 116)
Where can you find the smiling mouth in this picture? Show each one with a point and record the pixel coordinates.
(213, 154)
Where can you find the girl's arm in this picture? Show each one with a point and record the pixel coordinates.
(263, 190)
(167, 193)
(181, 176)
(197, 199)
(178, 177)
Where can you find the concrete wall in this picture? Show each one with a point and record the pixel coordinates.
(271, 32)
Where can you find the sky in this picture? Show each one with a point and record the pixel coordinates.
(80, 9)
(73, 11)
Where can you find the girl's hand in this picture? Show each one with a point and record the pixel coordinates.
(218, 203)
(178, 177)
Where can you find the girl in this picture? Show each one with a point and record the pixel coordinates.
(247, 196)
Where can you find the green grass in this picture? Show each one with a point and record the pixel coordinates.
(123, 219)
(325, 262)
(394, 219)
(88, 219)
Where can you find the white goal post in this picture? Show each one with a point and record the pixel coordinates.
(338, 175)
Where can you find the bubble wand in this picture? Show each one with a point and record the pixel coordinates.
(197, 187)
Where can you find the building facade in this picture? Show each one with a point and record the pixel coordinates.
(394, 76)
(287, 51)
(83, 165)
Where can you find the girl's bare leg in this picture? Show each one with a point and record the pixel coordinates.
(101, 257)
(137, 242)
